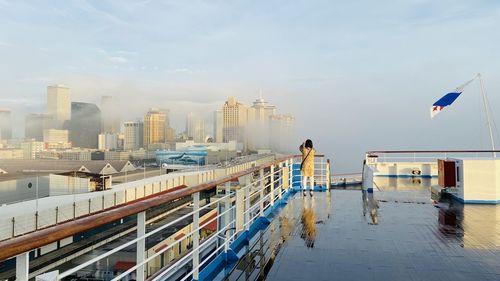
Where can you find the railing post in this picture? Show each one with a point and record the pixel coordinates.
(328, 176)
(227, 218)
(272, 185)
(239, 209)
(196, 235)
(22, 267)
(290, 170)
(261, 192)
(280, 181)
(247, 202)
(141, 244)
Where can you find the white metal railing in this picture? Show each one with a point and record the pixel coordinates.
(54, 210)
(426, 155)
(237, 199)
(246, 198)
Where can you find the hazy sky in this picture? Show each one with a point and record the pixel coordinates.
(358, 75)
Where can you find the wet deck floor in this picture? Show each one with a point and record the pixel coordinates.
(411, 240)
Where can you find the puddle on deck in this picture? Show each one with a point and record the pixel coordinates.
(396, 233)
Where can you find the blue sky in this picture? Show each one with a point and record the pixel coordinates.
(358, 75)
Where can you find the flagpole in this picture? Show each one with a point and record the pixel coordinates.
(488, 120)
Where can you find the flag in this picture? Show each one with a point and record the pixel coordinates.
(447, 99)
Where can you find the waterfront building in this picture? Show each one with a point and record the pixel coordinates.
(59, 104)
(5, 124)
(85, 124)
(65, 154)
(11, 153)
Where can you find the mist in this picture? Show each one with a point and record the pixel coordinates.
(356, 76)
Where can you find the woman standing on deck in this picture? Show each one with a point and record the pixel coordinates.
(307, 165)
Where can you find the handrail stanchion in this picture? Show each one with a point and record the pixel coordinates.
(272, 185)
(141, 244)
(280, 179)
(290, 177)
(261, 192)
(247, 202)
(196, 235)
(328, 177)
(22, 266)
(227, 216)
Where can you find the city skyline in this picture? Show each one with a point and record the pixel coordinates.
(43, 112)
(368, 71)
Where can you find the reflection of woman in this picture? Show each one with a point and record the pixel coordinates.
(307, 166)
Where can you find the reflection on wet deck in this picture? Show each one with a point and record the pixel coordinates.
(391, 235)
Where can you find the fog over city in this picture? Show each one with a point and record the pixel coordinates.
(356, 76)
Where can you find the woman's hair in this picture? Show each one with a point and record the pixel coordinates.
(309, 143)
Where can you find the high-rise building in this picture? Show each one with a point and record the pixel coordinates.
(263, 110)
(259, 125)
(235, 117)
(108, 141)
(35, 124)
(134, 135)
(110, 115)
(195, 128)
(169, 134)
(85, 125)
(281, 132)
(218, 126)
(154, 126)
(5, 124)
(59, 104)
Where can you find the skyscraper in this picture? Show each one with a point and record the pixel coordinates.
(85, 124)
(282, 131)
(218, 125)
(59, 104)
(110, 115)
(154, 126)
(5, 124)
(259, 126)
(134, 135)
(263, 110)
(35, 123)
(235, 120)
(195, 128)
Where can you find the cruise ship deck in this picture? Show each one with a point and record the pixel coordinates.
(254, 223)
(388, 235)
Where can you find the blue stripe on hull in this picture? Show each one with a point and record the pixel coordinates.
(483, 202)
